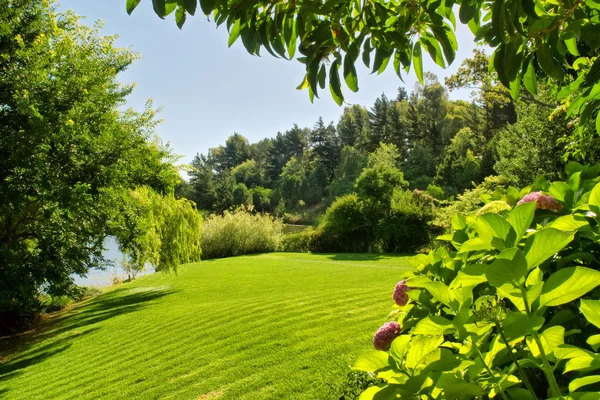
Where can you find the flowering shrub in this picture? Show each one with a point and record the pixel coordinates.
(512, 312)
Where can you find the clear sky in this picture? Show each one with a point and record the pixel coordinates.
(209, 91)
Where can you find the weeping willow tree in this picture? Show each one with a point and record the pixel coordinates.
(159, 230)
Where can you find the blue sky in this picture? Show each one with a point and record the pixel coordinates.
(208, 91)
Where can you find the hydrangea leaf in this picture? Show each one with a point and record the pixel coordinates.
(568, 284)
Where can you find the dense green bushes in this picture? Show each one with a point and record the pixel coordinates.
(511, 312)
(240, 232)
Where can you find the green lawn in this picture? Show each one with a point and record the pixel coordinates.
(273, 326)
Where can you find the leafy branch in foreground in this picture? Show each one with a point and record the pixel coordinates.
(531, 39)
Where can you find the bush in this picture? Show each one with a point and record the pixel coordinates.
(240, 232)
(301, 242)
(56, 303)
(345, 227)
(511, 312)
(407, 227)
(470, 201)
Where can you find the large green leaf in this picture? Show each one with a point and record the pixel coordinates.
(591, 311)
(131, 5)
(418, 61)
(569, 223)
(594, 342)
(568, 284)
(235, 33)
(544, 244)
(335, 85)
(379, 392)
(551, 338)
(510, 267)
(492, 225)
(400, 347)
(432, 325)
(595, 196)
(190, 6)
(420, 347)
(581, 382)
(350, 74)
(521, 218)
(372, 362)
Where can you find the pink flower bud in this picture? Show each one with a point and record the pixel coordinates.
(400, 296)
(543, 201)
(385, 335)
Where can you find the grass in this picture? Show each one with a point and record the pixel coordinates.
(273, 326)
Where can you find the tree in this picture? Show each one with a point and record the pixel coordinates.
(202, 185)
(353, 126)
(70, 157)
(554, 41)
(347, 171)
(324, 145)
(531, 147)
(293, 182)
(236, 151)
(459, 167)
(248, 173)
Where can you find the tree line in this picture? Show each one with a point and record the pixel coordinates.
(444, 147)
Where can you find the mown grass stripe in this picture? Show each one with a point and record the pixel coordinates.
(256, 327)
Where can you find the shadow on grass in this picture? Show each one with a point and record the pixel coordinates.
(60, 330)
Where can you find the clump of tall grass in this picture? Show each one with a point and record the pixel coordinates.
(241, 231)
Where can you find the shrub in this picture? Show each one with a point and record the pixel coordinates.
(470, 201)
(240, 232)
(56, 303)
(302, 242)
(511, 312)
(345, 227)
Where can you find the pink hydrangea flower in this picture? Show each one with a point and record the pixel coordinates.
(543, 201)
(385, 335)
(400, 296)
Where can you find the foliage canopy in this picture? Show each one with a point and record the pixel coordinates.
(531, 39)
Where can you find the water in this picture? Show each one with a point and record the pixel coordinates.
(102, 278)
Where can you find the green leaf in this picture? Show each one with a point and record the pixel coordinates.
(475, 244)
(235, 33)
(382, 58)
(530, 79)
(131, 5)
(492, 225)
(372, 362)
(594, 342)
(334, 83)
(400, 347)
(350, 74)
(516, 325)
(418, 61)
(432, 325)
(471, 275)
(581, 382)
(322, 76)
(595, 196)
(420, 347)
(591, 311)
(588, 362)
(551, 338)
(207, 6)
(433, 48)
(569, 223)
(571, 45)
(547, 62)
(520, 218)
(379, 392)
(190, 6)
(437, 289)
(568, 284)
(180, 17)
(593, 74)
(544, 244)
(159, 8)
(510, 267)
